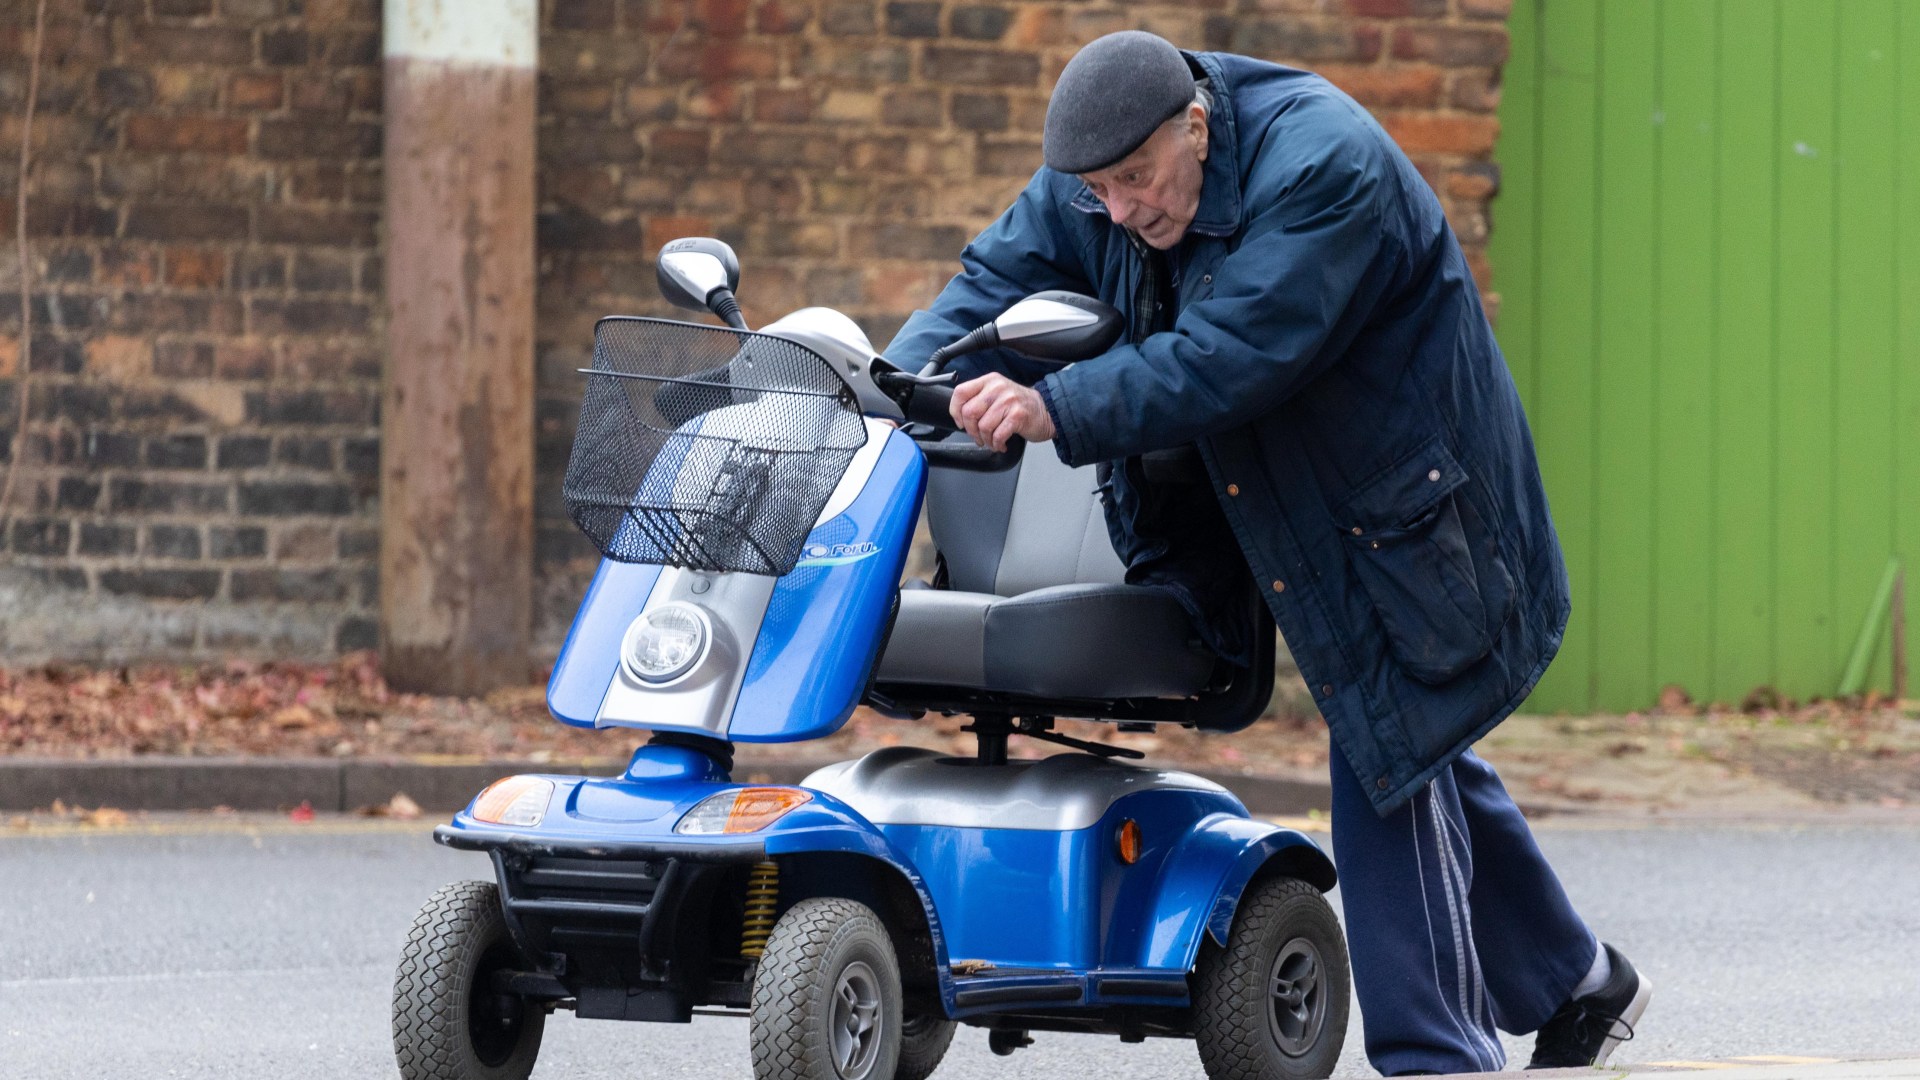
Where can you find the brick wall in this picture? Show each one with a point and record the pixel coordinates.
(205, 352)
(202, 471)
(849, 148)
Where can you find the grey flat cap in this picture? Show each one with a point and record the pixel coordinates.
(1111, 97)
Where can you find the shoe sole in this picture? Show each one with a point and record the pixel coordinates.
(1622, 1029)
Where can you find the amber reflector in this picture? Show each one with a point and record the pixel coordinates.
(1129, 841)
(755, 808)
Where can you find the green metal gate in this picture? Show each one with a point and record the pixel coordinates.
(1708, 251)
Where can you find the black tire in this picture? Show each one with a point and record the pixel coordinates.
(923, 1042)
(826, 999)
(447, 1022)
(1272, 1004)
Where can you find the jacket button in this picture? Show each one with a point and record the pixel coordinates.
(1279, 586)
(1433, 474)
(1233, 489)
(1326, 689)
(1356, 530)
(1206, 279)
(1381, 783)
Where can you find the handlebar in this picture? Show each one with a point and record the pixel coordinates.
(963, 454)
(931, 405)
(928, 406)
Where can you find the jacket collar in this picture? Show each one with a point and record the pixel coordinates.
(1219, 210)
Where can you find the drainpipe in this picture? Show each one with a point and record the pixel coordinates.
(456, 446)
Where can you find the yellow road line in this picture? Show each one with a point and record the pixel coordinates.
(1695, 1064)
(217, 827)
(1785, 1059)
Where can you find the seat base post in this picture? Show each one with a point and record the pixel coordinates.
(992, 731)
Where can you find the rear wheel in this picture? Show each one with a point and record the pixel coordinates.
(826, 1000)
(1272, 1004)
(449, 1022)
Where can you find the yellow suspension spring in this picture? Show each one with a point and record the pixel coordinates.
(763, 896)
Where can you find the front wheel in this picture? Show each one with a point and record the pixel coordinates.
(826, 1000)
(1272, 1004)
(449, 1022)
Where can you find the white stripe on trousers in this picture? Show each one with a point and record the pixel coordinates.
(1472, 955)
(1475, 1041)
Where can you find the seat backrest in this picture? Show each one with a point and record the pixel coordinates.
(1011, 531)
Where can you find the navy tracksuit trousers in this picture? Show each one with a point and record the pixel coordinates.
(1455, 922)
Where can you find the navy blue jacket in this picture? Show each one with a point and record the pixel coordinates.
(1327, 357)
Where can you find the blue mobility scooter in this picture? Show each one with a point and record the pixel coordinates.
(755, 503)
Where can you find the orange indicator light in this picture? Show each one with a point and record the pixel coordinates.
(755, 808)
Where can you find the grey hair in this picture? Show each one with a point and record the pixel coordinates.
(1203, 96)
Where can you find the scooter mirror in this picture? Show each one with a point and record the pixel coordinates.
(1061, 326)
(700, 273)
(1052, 325)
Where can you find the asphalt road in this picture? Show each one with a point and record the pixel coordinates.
(229, 955)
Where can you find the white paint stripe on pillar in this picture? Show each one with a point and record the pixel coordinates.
(494, 32)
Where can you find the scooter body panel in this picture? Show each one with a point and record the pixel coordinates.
(1039, 898)
(1024, 865)
(590, 656)
(828, 619)
(1206, 875)
(813, 641)
(638, 811)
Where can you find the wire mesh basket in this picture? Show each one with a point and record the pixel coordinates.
(705, 447)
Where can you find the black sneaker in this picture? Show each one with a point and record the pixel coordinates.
(1585, 1030)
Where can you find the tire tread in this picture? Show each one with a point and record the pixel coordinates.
(919, 1058)
(796, 953)
(1232, 1039)
(428, 991)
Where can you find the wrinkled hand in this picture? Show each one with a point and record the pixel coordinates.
(993, 409)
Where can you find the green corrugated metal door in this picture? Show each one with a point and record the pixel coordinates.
(1708, 251)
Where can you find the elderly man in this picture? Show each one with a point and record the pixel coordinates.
(1309, 407)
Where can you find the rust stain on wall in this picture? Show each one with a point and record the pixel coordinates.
(457, 427)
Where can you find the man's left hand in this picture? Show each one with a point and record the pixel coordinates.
(993, 409)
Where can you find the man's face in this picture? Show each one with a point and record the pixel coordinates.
(1155, 191)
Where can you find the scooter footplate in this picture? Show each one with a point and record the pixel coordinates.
(1000, 989)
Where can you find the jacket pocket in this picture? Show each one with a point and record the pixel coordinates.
(1414, 557)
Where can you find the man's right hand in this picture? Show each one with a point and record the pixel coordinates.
(993, 409)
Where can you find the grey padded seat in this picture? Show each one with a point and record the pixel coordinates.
(1036, 604)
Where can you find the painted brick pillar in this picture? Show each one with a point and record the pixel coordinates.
(456, 538)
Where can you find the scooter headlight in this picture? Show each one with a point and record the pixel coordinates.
(517, 800)
(666, 642)
(742, 810)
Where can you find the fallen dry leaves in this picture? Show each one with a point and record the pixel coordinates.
(346, 709)
(242, 708)
(1863, 750)
(100, 817)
